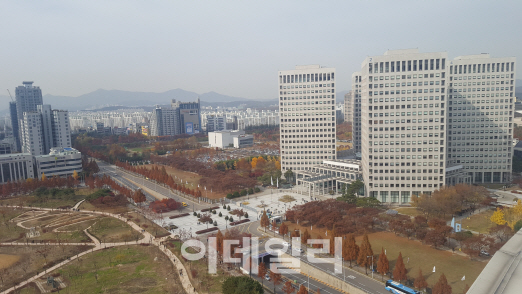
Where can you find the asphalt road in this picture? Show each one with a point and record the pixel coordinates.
(126, 178)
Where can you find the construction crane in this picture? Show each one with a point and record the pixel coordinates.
(10, 95)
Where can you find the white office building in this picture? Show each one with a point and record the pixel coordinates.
(480, 116)
(427, 122)
(307, 114)
(28, 97)
(16, 167)
(32, 133)
(223, 139)
(59, 162)
(61, 129)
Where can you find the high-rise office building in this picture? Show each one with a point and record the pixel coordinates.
(179, 118)
(28, 97)
(15, 125)
(189, 116)
(348, 107)
(356, 126)
(61, 129)
(164, 122)
(307, 113)
(427, 122)
(481, 92)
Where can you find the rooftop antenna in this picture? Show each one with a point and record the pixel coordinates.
(10, 95)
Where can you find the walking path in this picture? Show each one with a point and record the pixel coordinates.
(147, 239)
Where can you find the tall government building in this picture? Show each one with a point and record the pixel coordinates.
(426, 121)
(28, 97)
(307, 113)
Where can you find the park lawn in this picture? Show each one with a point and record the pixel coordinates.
(31, 288)
(454, 266)
(110, 209)
(149, 226)
(198, 270)
(479, 222)
(122, 269)
(34, 259)
(9, 231)
(111, 230)
(80, 226)
(49, 202)
(411, 211)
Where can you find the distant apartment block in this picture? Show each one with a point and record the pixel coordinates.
(179, 118)
(307, 116)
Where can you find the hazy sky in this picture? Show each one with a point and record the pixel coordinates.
(231, 47)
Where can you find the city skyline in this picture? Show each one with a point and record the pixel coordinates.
(76, 48)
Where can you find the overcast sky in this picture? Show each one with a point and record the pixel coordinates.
(231, 47)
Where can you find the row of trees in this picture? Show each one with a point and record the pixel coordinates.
(160, 175)
(449, 200)
(511, 216)
(30, 185)
(99, 182)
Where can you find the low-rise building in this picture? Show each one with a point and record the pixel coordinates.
(59, 162)
(243, 141)
(16, 167)
(224, 139)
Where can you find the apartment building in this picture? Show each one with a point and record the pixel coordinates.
(427, 122)
(28, 97)
(348, 107)
(307, 114)
(32, 133)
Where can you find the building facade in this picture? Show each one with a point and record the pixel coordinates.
(307, 116)
(31, 133)
(16, 167)
(216, 123)
(189, 116)
(427, 122)
(59, 162)
(348, 108)
(28, 97)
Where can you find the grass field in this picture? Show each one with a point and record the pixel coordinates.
(123, 269)
(111, 230)
(197, 272)
(116, 210)
(411, 211)
(49, 202)
(9, 231)
(34, 259)
(479, 222)
(7, 260)
(454, 266)
(148, 225)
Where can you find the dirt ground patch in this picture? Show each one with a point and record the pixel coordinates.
(34, 259)
(7, 260)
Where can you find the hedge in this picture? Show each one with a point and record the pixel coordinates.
(179, 215)
(212, 208)
(206, 230)
(240, 222)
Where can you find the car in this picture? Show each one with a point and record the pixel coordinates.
(300, 250)
(184, 204)
(267, 277)
(286, 243)
(485, 253)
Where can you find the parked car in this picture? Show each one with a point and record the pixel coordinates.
(485, 253)
(267, 277)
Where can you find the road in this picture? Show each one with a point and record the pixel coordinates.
(135, 182)
(350, 276)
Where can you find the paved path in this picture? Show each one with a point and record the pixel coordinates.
(147, 239)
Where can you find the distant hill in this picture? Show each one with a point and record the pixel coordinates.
(340, 96)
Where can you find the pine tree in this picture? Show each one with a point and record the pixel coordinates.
(365, 250)
(350, 249)
(399, 273)
(383, 266)
(420, 281)
(442, 286)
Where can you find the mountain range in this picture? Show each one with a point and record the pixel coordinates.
(109, 99)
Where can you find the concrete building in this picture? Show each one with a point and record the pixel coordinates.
(348, 107)
(28, 97)
(307, 115)
(481, 92)
(189, 116)
(60, 162)
(165, 121)
(16, 167)
(15, 125)
(356, 120)
(223, 139)
(243, 141)
(424, 124)
(216, 123)
(61, 129)
(31, 133)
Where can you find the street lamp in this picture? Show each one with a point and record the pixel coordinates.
(372, 264)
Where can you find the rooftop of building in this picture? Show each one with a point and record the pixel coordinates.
(60, 151)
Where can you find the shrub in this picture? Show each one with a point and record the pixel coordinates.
(195, 213)
(226, 217)
(250, 191)
(231, 219)
(228, 208)
(179, 215)
(199, 215)
(220, 214)
(224, 206)
(243, 192)
(215, 223)
(518, 226)
(235, 195)
(214, 211)
(206, 230)
(229, 196)
(256, 189)
(246, 214)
